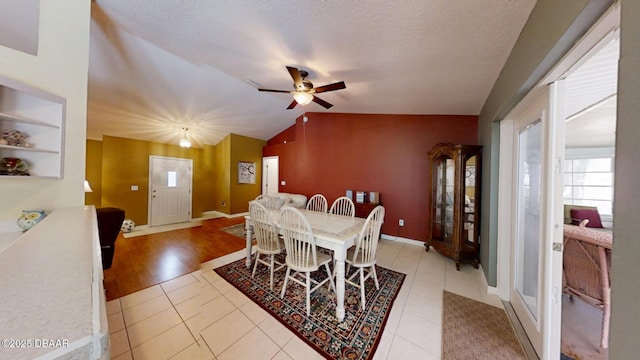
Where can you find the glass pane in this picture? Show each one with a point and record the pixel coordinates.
(604, 207)
(568, 179)
(593, 178)
(592, 165)
(593, 192)
(442, 226)
(172, 179)
(528, 230)
(468, 230)
(567, 165)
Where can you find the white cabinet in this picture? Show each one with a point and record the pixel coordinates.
(40, 116)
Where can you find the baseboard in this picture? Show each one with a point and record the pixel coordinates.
(140, 227)
(402, 240)
(228, 216)
(492, 290)
(206, 215)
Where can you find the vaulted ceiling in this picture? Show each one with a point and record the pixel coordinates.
(156, 67)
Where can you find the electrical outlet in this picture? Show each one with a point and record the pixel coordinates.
(223, 203)
(401, 222)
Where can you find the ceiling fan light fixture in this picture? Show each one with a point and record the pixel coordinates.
(184, 140)
(303, 97)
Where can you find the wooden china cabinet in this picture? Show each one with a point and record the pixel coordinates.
(455, 202)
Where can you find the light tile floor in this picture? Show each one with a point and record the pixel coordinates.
(201, 316)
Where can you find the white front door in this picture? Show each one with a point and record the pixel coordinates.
(270, 175)
(538, 152)
(169, 190)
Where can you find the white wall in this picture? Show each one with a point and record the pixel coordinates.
(61, 68)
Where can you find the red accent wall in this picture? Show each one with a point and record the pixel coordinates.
(386, 153)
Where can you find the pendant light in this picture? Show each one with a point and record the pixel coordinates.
(184, 140)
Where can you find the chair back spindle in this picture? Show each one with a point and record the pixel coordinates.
(343, 206)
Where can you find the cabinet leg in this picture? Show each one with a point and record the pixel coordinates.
(476, 264)
(458, 265)
(426, 247)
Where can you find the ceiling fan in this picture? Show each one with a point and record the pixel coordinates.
(304, 92)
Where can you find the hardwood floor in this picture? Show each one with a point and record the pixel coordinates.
(143, 261)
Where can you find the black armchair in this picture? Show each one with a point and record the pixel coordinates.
(109, 223)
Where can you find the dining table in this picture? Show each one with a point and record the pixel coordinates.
(331, 231)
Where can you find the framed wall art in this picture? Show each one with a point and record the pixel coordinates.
(246, 172)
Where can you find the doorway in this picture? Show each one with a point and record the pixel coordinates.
(537, 289)
(589, 174)
(169, 190)
(535, 218)
(270, 175)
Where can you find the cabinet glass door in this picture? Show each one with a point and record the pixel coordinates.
(469, 217)
(442, 192)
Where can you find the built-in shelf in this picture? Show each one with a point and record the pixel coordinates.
(20, 148)
(19, 119)
(40, 116)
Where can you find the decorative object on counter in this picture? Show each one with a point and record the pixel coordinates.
(127, 226)
(14, 166)
(15, 138)
(29, 218)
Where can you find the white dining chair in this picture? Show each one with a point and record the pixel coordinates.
(266, 201)
(268, 239)
(362, 256)
(317, 203)
(302, 257)
(343, 206)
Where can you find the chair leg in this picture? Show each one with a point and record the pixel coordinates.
(308, 285)
(333, 286)
(375, 276)
(255, 266)
(271, 278)
(286, 279)
(606, 318)
(362, 287)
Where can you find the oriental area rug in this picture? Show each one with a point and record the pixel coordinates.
(357, 337)
(237, 230)
(475, 330)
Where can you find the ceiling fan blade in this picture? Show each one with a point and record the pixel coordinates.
(295, 75)
(272, 90)
(331, 87)
(292, 105)
(317, 100)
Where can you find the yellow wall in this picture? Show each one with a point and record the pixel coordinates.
(222, 155)
(125, 162)
(249, 150)
(115, 164)
(94, 173)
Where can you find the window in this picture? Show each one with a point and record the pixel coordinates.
(172, 179)
(589, 182)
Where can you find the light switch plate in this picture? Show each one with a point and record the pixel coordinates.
(134, 187)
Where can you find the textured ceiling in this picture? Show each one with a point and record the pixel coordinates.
(156, 67)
